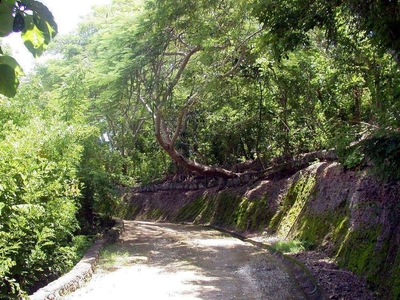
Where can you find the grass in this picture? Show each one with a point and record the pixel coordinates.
(111, 258)
(292, 246)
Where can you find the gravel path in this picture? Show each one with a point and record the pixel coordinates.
(167, 261)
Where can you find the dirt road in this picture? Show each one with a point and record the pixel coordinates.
(168, 261)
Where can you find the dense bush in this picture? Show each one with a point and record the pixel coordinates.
(39, 196)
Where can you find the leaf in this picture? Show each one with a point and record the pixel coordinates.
(8, 2)
(8, 80)
(7, 20)
(33, 38)
(40, 28)
(8, 60)
(44, 20)
(19, 23)
(9, 72)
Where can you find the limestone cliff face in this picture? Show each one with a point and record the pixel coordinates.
(348, 214)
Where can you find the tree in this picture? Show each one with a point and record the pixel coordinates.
(178, 54)
(214, 94)
(287, 24)
(37, 27)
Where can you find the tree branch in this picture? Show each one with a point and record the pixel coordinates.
(237, 65)
(148, 108)
(178, 75)
(181, 118)
(242, 53)
(178, 53)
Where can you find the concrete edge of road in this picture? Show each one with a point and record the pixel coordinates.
(83, 270)
(296, 269)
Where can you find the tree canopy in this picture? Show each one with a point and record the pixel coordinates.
(289, 22)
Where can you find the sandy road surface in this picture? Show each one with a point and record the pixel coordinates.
(167, 261)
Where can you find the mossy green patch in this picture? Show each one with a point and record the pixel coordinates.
(329, 227)
(292, 205)
(357, 251)
(363, 254)
(226, 210)
(193, 210)
(154, 214)
(252, 214)
(196, 211)
(369, 250)
(125, 210)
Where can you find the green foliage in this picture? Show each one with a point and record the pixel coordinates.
(38, 28)
(9, 73)
(384, 152)
(39, 192)
(317, 95)
(100, 175)
(348, 147)
(289, 23)
(6, 26)
(81, 243)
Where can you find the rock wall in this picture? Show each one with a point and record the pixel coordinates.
(349, 214)
(244, 177)
(82, 272)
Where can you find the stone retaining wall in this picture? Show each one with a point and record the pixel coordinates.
(299, 162)
(82, 272)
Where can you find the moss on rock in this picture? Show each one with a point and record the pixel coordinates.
(292, 205)
(347, 214)
(223, 209)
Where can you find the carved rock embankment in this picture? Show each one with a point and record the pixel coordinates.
(347, 214)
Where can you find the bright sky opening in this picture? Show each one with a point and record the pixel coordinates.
(67, 15)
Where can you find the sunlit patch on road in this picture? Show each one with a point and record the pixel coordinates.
(166, 261)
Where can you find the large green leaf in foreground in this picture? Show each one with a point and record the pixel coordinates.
(37, 26)
(9, 72)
